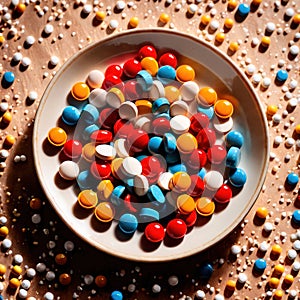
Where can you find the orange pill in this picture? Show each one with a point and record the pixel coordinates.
(207, 96)
(185, 73)
(88, 152)
(65, 279)
(105, 189)
(205, 206)
(180, 181)
(80, 91)
(57, 136)
(101, 281)
(105, 212)
(35, 203)
(185, 204)
(87, 199)
(20, 8)
(61, 259)
(205, 19)
(186, 143)
(223, 109)
(164, 18)
(150, 64)
(172, 93)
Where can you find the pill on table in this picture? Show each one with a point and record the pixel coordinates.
(105, 211)
(57, 136)
(260, 265)
(213, 180)
(95, 79)
(205, 206)
(68, 170)
(105, 152)
(87, 199)
(154, 232)
(128, 223)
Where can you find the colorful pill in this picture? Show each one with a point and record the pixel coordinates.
(87, 199)
(223, 194)
(172, 93)
(72, 149)
(100, 169)
(114, 97)
(95, 79)
(147, 51)
(105, 212)
(108, 117)
(168, 59)
(216, 154)
(234, 138)
(111, 81)
(197, 159)
(181, 181)
(128, 223)
(80, 91)
(156, 195)
(68, 170)
(176, 228)
(57, 136)
(185, 204)
(185, 73)
(154, 232)
(207, 110)
(189, 219)
(243, 10)
(166, 74)
(148, 214)
(281, 76)
(150, 65)
(105, 189)
(88, 131)
(144, 80)
(186, 143)
(9, 77)
(131, 68)
(113, 69)
(237, 177)
(223, 109)
(197, 186)
(205, 206)
(206, 138)
(143, 107)
(160, 105)
(88, 152)
(198, 122)
(233, 157)
(207, 96)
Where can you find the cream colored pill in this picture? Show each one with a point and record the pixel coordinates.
(106, 152)
(128, 110)
(179, 108)
(189, 90)
(164, 180)
(120, 148)
(131, 167)
(68, 170)
(222, 125)
(157, 90)
(97, 98)
(143, 123)
(180, 124)
(213, 180)
(141, 185)
(95, 79)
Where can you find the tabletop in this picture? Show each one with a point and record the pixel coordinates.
(41, 258)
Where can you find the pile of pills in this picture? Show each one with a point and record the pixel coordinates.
(151, 143)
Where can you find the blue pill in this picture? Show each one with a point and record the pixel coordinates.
(116, 195)
(86, 180)
(177, 168)
(205, 271)
(233, 157)
(234, 138)
(128, 223)
(202, 172)
(292, 179)
(116, 295)
(148, 214)
(166, 74)
(145, 80)
(208, 111)
(129, 182)
(296, 217)
(70, 115)
(172, 158)
(90, 114)
(160, 105)
(141, 157)
(156, 195)
(243, 9)
(165, 115)
(155, 144)
(9, 77)
(237, 177)
(169, 141)
(282, 75)
(88, 131)
(260, 265)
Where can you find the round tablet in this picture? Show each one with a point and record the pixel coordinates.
(87, 199)
(80, 91)
(223, 109)
(106, 152)
(205, 206)
(128, 223)
(105, 211)
(222, 125)
(131, 166)
(180, 124)
(213, 180)
(97, 97)
(68, 170)
(128, 110)
(189, 90)
(95, 79)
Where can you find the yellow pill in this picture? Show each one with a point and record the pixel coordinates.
(205, 206)
(9, 140)
(115, 97)
(104, 189)
(185, 204)
(105, 211)
(180, 181)
(220, 37)
(185, 73)
(278, 270)
(14, 283)
(265, 41)
(234, 46)
(230, 285)
(274, 282)
(205, 19)
(100, 15)
(289, 279)
(276, 249)
(20, 8)
(150, 64)
(272, 109)
(115, 167)
(278, 294)
(134, 22)
(164, 18)
(2, 39)
(232, 4)
(88, 152)
(144, 107)
(57, 136)
(228, 23)
(80, 91)
(223, 109)
(4, 231)
(297, 128)
(296, 19)
(16, 270)
(7, 117)
(172, 93)
(207, 96)
(87, 199)
(256, 2)
(262, 212)
(2, 269)
(186, 143)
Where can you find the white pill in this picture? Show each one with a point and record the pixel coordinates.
(268, 227)
(200, 294)
(69, 246)
(164, 180)
(179, 108)
(266, 82)
(26, 61)
(219, 297)
(180, 124)
(293, 84)
(278, 140)
(23, 294)
(213, 180)
(250, 70)
(277, 118)
(296, 245)
(293, 102)
(157, 90)
(68, 170)
(6, 243)
(95, 79)
(50, 275)
(40, 267)
(289, 142)
(235, 249)
(3, 220)
(293, 293)
(173, 280)
(214, 25)
(17, 56)
(255, 41)
(54, 60)
(15, 2)
(114, 99)
(294, 50)
(88, 279)
(292, 254)
(30, 273)
(128, 110)
(143, 123)
(30, 40)
(156, 288)
(1, 286)
(32, 96)
(131, 166)
(189, 90)
(264, 246)
(141, 185)
(120, 5)
(49, 296)
(97, 97)
(3, 106)
(270, 27)
(192, 8)
(113, 24)
(296, 266)
(48, 29)
(87, 8)
(4, 154)
(223, 125)
(121, 149)
(290, 12)
(106, 152)
(18, 259)
(25, 284)
(256, 79)
(242, 278)
(36, 219)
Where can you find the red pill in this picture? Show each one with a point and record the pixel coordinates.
(100, 169)
(147, 51)
(197, 159)
(154, 232)
(137, 140)
(176, 228)
(168, 59)
(110, 81)
(101, 136)
(160, 126)
(223, 194)
(115, 70)
(121, 128)
(130, 90)
(72, 149)
(189, 219)
(129, 201)
(216, 154)
(131, 68)
(108, 117)
(206, 138)
(153, 166)
(197, 186)
(198, 122)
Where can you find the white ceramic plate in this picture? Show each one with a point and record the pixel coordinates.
(213, 69)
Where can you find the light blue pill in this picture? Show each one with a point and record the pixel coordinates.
(292, 179)
(129, 182)
(70, 115)
(128, 223)
(243, 9)
(209, 111)
(202, 173)
(9, 77)
(165, 115)
(86, 180)
(282, 75)
(169, 142)
(116, 295)
(148, 214)
(260, 265)
(160, 105)
(90, 114)
(177, 168)
(156, 195)
(145, 80)
(296, 217)
(234, 138)
(88, 131)
(116, 195)
(141, 157)
(172, 158)
(155, 144)
(166, 74)
(233, 157)
(237, 177)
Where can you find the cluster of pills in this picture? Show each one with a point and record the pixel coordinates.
(150, 141)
